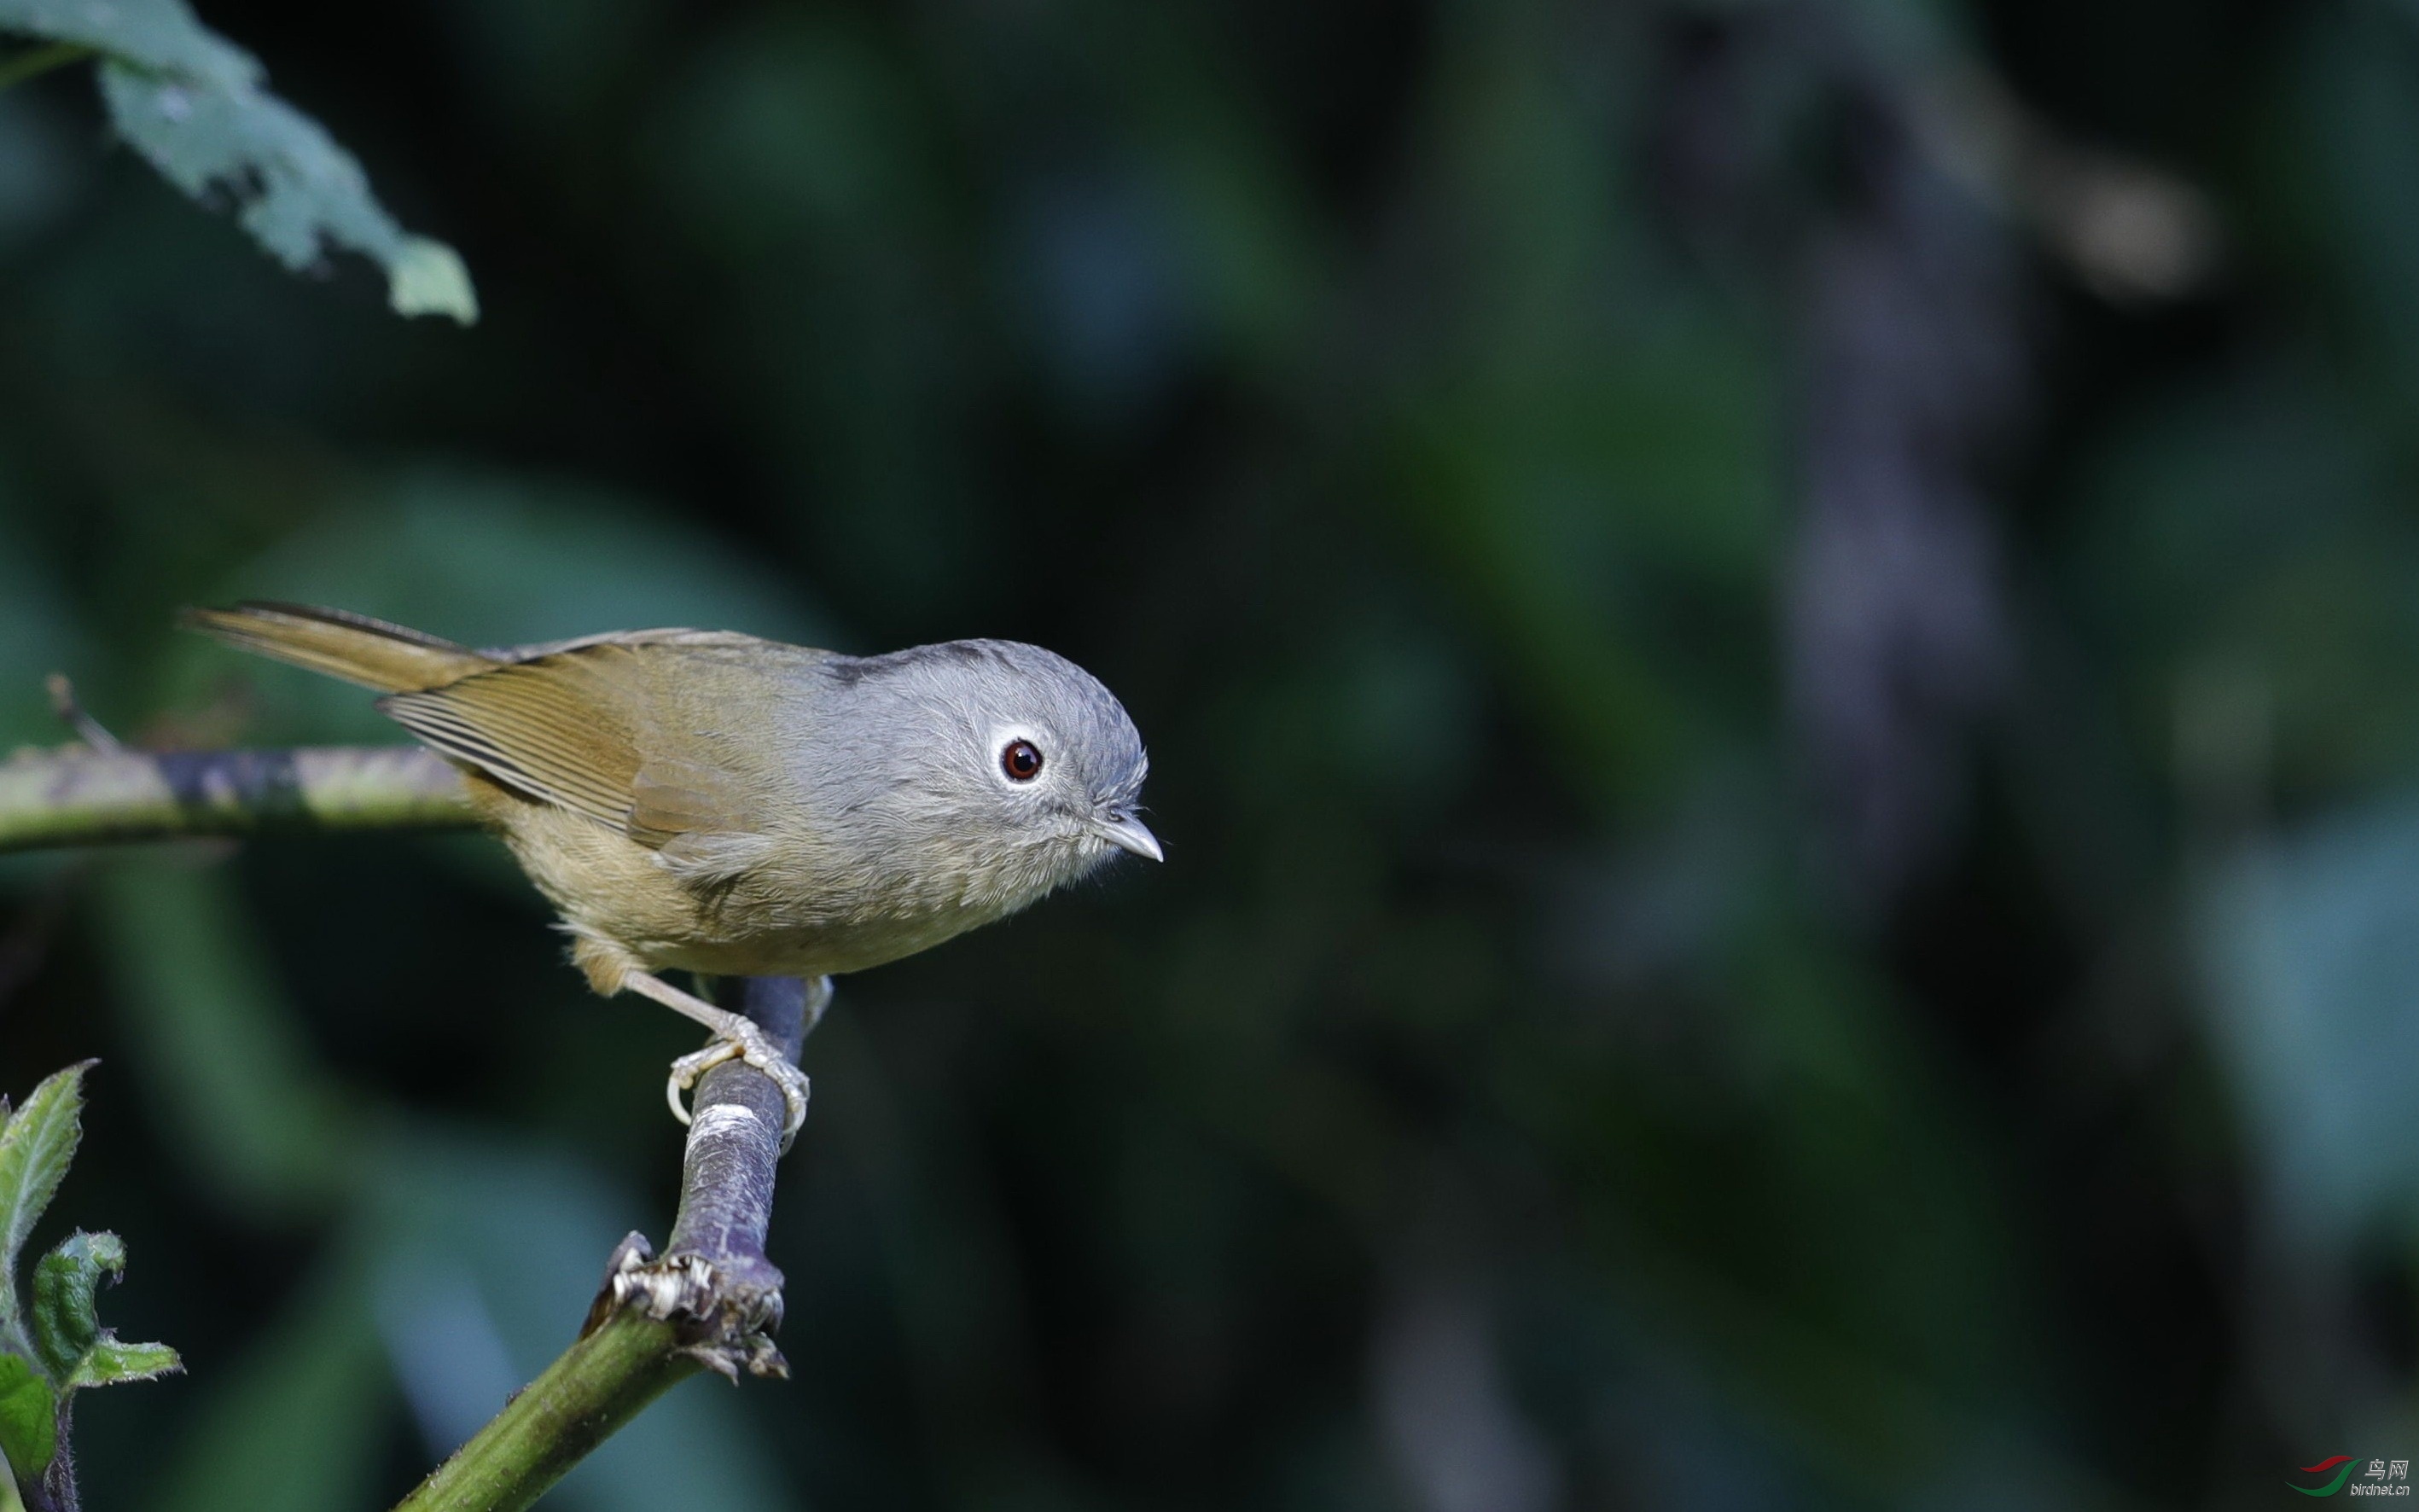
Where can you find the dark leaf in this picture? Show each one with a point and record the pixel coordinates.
(30, 1422)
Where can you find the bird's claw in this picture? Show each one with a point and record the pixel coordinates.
(750, 1049)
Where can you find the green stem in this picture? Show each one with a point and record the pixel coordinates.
(710, 1302)
(582, 1399)
(16, 69)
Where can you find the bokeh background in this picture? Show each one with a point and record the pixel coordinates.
(1780, 644)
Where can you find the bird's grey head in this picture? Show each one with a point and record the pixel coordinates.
(1017, 755)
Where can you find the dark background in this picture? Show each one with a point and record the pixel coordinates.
(1780, 646)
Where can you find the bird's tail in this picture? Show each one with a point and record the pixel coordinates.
(355, 647)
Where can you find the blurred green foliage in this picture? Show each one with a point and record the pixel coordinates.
(191, 103)
(1788, 782)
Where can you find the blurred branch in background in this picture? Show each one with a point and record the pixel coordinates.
(1914, 310)
(1917, 373)
(2131, 231)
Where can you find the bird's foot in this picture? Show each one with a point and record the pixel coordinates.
(742, 1040)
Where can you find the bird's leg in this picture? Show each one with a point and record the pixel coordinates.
(819, 997)
(738, 1039)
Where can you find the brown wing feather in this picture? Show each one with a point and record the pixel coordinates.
(598, 726)
(552, 729)
(389, 658)
(592, 728)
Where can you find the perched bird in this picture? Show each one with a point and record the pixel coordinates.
(720, 804)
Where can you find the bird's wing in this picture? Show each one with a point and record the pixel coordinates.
(556, 729)
(603, 729)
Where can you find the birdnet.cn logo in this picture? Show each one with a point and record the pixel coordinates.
(2380, 1477)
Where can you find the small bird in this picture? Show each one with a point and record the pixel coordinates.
(720, 804)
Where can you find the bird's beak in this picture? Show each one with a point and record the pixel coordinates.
(1127, 833)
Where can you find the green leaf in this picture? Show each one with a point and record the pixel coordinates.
(74, 1348)
(36, 1148)
(29, 1417)
(298, 189)
(68, 1345)
(114, 1361)
(193, 103)
(65, 1283)
(163, 36)
(427, 277)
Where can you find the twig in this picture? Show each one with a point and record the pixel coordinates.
(710, 1302)
(75, 796)
(88, 730)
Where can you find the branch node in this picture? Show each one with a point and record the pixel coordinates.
(724, 1324)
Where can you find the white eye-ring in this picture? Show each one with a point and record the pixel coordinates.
(1020, 760)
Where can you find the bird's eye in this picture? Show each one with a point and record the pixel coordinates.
(1021, 760)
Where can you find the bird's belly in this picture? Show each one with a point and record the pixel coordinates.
(608, 887)
(828, 949)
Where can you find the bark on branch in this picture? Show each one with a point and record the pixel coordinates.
(710, 1302)
(76, 796)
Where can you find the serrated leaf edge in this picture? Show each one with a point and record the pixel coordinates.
(164, 1360)
(37, 1146)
